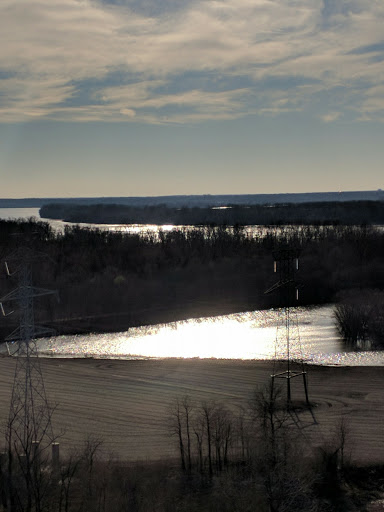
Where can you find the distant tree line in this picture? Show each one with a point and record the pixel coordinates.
(111, 281)
(346, 213)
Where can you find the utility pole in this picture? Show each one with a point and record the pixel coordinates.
(286, 264)
(29, 430)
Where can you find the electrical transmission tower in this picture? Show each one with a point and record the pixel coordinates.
(286, 265)
(29, 430)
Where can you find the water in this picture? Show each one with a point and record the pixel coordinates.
(19, 213)
(58, 225)
(252, 335)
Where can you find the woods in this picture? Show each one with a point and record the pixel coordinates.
(111, 281)
(322, 212)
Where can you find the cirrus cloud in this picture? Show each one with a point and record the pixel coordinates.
(126, 60)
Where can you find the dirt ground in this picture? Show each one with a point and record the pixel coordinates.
(125, 402)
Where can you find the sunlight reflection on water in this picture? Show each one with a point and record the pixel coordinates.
(252, 335)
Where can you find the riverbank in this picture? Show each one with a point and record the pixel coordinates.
(125, 403)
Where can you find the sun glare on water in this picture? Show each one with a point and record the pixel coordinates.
(249, 335)
(225, 339)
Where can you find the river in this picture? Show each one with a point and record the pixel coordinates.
(58, 225)
(250, 335)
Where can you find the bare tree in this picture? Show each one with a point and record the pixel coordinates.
(342, 434)
(242, 432)
(29, 477)
(91, 448)
(208, 410)
(68, 471)
(279, 458)
(199, 431)
(176, 427)
(222, 434)
(187, 409)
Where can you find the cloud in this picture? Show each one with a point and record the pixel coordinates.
(133, 60)
(330, 117)
(371, 48)
(128, 112)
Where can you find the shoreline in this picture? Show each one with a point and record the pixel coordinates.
(358, 363)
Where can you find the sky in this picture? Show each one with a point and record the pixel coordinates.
(161, 97)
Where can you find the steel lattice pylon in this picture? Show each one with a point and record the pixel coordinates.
(285, 265)
(29, 424)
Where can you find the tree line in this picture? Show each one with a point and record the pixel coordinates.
(324, 212)
(111, 281)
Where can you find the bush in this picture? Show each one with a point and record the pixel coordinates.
(360, 317)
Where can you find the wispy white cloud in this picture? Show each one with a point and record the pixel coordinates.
(330, 117)
(127, 60)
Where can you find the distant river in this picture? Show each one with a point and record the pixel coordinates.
(252, 335)
(58, 225)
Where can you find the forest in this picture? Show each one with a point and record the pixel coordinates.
(345, 213)
(110, 281)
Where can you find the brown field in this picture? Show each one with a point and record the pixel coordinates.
(125, 402)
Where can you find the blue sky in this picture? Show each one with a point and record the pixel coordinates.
(142, 97)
